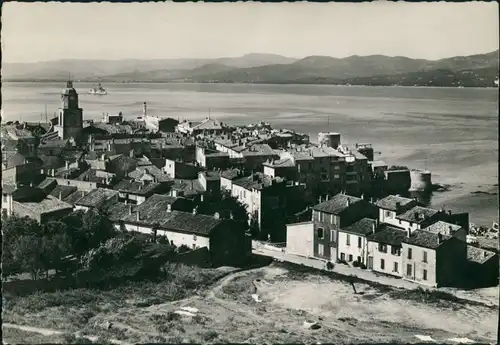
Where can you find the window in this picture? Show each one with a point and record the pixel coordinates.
(409, 253)
(194, 237)
(342, 256)
(395, 250)
(424, 258)
(359, 242)
(382, 248)
(348, 240)
(395, 267)
(333, 238)
(424, 274)
(321, 234)
(321, 250)
(382, 264)
(388, 214)
(350, 257)
(408, 270)
(331, 218)
(4, 197)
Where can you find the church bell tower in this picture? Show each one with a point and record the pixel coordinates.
(70, 118)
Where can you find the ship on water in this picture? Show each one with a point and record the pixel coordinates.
(98, 89)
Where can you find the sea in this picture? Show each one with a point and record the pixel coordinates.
(452, 132)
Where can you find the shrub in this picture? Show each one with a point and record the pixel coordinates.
(356, 263)
(210, 335)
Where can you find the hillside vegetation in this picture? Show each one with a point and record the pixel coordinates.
(469, 71)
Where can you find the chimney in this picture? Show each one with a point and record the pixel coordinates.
(144, 110)
(485, 254)
(440, 238)
(138, 216)
(450, 229)
(67, 165)
(195, 210)
(449, 212)
(408, 232)
(130, 209)
(319, 199)
(417, 215)
(169, 207)
(398, 206)
(374, 227)
(348, 202)
(216, 215)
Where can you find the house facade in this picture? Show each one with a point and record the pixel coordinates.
(300, 239)
(384, 250)
(353, 241)
(433, 259)
(332, 215)
(392, 206)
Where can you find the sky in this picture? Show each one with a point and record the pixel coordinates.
(51, 31)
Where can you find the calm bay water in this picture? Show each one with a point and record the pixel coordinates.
(449, 131)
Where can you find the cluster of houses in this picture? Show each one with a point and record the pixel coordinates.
(150, 174)
(394, 236)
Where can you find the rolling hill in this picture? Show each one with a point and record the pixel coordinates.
(474, 70)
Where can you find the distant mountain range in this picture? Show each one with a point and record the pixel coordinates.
(469, 71)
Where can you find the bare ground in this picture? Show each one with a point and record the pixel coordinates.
(227, 313)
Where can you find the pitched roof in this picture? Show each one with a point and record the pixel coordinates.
(211, 175)
(135, 187)
(259, 150)
(74, 197)
(256, 181)
(443, 228)
(337, 204)
(188, 187)
(391, 202)
(364, 227)
(388, 234)
(96, 197)
(301, 156)
(231, 174)
(425, 239)
(116, 211)
(208, 124)
(478, 255)
(63, 191)
(152, 170)
(281, 163)
(47, 205)
(417, 214)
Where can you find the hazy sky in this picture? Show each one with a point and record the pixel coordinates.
(50, 31)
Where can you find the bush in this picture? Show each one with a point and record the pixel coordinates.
(356, 263)
(329, 265)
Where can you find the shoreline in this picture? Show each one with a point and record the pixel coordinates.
(247, 83)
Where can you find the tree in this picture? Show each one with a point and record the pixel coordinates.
(56, 244)
(20, 242)
(27, 254)
(88, 230)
